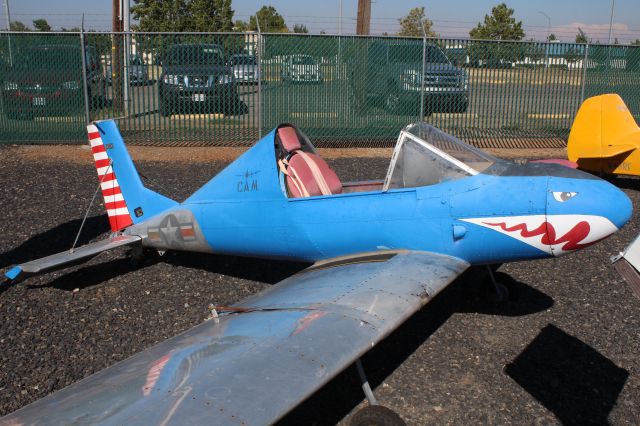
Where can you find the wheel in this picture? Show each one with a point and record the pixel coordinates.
(376, 415)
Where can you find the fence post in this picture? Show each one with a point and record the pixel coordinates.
(424, 66)
(584, 71)
(260, 75)
(85, 83)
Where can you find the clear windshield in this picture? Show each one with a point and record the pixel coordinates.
(426, 155)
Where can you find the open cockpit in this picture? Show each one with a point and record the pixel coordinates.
(423, 155)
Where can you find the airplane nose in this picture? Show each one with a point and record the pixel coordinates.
(583, 211)
(621, 208)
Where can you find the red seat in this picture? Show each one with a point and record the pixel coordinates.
(289, 139)
(307, 174)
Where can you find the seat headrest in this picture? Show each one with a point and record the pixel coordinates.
(289, 138)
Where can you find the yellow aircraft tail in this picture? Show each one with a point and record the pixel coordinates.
(603, 128)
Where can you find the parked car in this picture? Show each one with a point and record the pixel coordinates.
(48, 80)
(245, 68)
(393, 75)
(195, 77)
(300, 69)
(138, 73)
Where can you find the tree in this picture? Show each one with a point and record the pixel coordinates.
(211, 15)
(552, 37)
(300, 29)
(636, 42)
(270, 21)
(41, 25)
(161, 15)
(500, 25)
(18, 26)
(581, 37)
(240, 26)
(411, 25)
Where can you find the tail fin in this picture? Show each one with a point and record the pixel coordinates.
(125, 197)
(603, 128)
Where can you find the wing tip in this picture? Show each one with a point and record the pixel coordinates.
(13, 273)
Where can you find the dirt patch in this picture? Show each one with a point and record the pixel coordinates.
(80, 154)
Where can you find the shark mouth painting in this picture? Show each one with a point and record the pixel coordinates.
(553, 234)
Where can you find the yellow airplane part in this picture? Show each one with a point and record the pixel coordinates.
(604, 137)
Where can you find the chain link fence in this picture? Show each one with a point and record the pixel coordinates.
(228, 89)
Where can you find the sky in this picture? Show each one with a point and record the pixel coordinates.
(451, 19)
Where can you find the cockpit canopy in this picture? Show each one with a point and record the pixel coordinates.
(425, 155)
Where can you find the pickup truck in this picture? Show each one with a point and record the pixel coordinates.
(394, 77)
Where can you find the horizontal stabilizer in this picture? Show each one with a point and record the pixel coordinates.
(607, 151)
(66, 258)
(628, 265)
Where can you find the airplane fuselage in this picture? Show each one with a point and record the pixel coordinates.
(510, 212)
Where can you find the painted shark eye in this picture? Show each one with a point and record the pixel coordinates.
(564, 196)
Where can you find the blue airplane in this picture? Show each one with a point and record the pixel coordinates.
(380, 250)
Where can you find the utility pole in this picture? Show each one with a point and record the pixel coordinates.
(361, 64)
(126, 18)
(116, 56)
(363, 23)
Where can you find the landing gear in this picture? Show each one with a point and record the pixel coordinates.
(373, 414)
(502, 293)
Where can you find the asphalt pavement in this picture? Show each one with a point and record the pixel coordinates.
(564, 349)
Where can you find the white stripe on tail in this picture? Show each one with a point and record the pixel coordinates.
(119, 217)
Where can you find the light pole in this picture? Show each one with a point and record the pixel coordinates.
(546, 47)
(6, 9)
(548, 23)
(613, 7)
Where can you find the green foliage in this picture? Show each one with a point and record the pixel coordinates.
(636, 42)
(18, 26)
(162, 15)
(300, 29)
(41, 25)
(270, 21)
(552, 37)
(500, 25)
(581, 37)
(183, 15)
(240, 26)
(211, 15)
(573, 55)
(411, 25)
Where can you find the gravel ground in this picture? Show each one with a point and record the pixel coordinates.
(564, 349)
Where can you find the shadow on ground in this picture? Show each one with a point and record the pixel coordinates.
(55, 240)
(570, 378)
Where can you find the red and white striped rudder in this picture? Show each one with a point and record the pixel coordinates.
(119, 217)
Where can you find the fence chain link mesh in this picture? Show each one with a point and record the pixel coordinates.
(227, 89)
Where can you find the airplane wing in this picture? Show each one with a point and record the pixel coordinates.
(266, 355)
(66, 258)
(627, 263)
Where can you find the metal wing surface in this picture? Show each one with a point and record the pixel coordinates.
(66, 258)
(254, 365)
